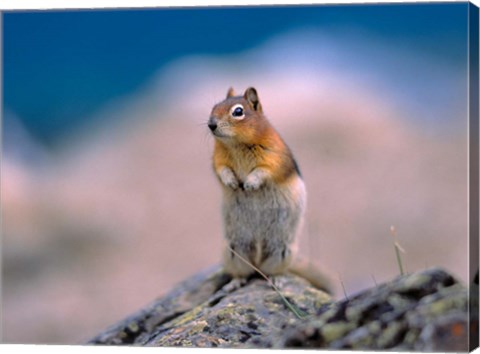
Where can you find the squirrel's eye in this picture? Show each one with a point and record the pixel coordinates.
(237, 111)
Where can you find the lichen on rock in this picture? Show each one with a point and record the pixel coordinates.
(426, 311)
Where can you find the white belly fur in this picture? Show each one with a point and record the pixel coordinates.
(264, 221)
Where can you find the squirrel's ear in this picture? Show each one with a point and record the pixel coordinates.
(252, 97)
(230, 92)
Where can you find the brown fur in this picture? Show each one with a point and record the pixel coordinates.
(264, 196)
(254, 143)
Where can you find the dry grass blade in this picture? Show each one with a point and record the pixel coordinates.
(300, 314)
(343, 287)
(398, 249)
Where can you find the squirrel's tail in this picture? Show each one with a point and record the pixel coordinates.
(308, 271)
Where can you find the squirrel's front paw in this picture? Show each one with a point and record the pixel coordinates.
(255, 179)
(228, 178)
(252, 183)
(231, 183)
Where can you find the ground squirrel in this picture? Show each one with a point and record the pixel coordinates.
(264, 196)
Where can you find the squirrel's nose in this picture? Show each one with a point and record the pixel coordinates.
(212, 124)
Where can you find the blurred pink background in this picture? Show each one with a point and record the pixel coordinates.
(124, 210)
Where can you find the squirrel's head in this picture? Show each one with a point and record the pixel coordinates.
(238, 118)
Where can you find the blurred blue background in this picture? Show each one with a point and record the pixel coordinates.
(59, 67)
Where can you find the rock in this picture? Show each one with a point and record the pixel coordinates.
(180, 300)
(425, 311)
